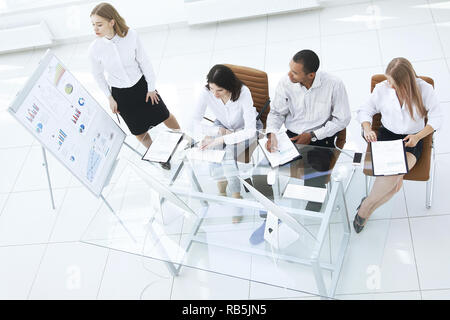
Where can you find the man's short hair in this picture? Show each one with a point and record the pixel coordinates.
(308, 59)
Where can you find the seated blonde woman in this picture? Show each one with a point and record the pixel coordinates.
(404, 100)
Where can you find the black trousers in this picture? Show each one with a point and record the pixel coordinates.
(316, 165)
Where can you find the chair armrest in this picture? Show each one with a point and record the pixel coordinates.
(263, 109)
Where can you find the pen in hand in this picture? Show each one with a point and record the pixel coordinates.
(193, 144)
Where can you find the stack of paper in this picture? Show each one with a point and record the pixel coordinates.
(206, 155)
(286, 150)
(294, 191)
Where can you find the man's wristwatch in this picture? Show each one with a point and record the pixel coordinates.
(313, 136)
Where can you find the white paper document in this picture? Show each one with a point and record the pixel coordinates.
(286, 150)
(206, 155)
(163, 146)
(388, 158)
(295, 191)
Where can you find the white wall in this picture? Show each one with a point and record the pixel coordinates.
(71, 22)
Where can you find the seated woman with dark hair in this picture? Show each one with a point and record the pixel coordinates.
(231, 102)
(404, 100)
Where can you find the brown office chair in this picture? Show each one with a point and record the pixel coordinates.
(258, 84)
(421, 171)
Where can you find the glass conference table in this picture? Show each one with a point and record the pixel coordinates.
(187, 217)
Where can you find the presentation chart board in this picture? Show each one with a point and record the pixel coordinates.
(69, 123)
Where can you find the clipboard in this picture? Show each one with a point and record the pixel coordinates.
(394, 171)
(163, 147)
(290, 148)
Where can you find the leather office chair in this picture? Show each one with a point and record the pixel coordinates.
(258, 84)
(421, 171)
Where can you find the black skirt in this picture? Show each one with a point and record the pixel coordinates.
(138, 114)
(386, 135)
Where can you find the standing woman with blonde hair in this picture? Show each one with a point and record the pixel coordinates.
(130, 86)
(404, 100)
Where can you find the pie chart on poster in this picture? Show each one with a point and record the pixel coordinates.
(68, 88)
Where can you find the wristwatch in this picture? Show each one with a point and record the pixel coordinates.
(313, 136)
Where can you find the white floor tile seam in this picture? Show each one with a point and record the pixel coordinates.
(213, 46)
(236, 47)
(376, 293)
(414, 257)
(437, 289)
(307, 296)
(382, 65)
(68, 188)
(160, 59)
(16, 179)
(40, 244)
(44, 189)
(440, 39)
(378, 29)
(320, 34)
(16, 147)
(266, 43)
(8, 195)
(103, 275)
(58, 214)
(380, 47)
(335, 71)
(37, 272)
(274, 42)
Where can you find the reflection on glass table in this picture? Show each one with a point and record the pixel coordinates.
(287, 227)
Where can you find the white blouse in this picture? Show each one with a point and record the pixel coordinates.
(239, 115)
(124, 61)
(396, 118)
(323, 108)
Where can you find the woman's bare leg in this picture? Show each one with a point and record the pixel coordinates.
(145, 139)
(172, 122)
(384, 188)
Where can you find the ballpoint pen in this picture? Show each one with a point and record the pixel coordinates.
(193, 144)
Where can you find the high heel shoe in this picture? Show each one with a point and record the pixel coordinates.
(358, 222)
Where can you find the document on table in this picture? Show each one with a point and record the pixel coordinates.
(205, 155)
(294, 191)
(286, 150)
(388, 158)
(163, 146)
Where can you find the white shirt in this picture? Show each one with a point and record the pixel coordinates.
(323, 108)
(239, 115)
(123, 59)
(396, 118)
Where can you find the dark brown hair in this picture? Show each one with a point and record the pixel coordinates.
(224, 77)
(107, 11)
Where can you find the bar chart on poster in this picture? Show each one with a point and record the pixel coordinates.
(69, 123)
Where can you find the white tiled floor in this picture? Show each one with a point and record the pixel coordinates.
(40, 248)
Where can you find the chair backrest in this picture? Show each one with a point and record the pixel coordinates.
(421, 171)
(258, 84)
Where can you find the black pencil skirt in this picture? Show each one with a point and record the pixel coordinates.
(138, 114)
(386, 135)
